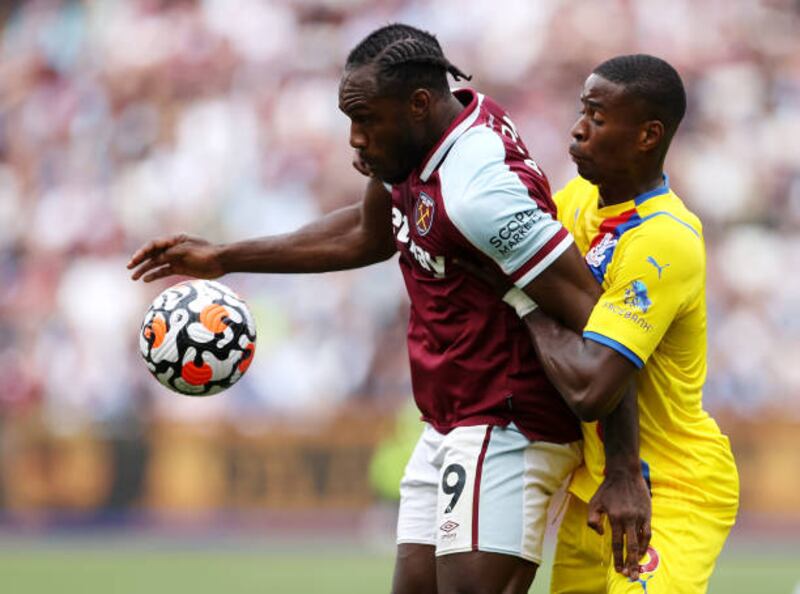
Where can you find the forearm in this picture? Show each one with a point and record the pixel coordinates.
(571, 364)
(338, 241)
(621, 434)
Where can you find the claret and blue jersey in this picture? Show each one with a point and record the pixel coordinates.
(478, 196)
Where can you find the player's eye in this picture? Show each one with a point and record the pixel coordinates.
(593, 115)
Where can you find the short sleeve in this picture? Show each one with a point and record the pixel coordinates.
(652, 275)
(500, 209)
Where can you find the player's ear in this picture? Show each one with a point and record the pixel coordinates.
(420, 104)
(650, 135)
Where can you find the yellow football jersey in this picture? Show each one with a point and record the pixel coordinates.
(649, 256)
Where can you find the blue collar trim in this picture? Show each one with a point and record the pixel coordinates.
(662, 189)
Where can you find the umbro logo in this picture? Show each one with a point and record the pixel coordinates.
(449, 526)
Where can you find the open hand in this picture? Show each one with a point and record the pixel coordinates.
(625, 499)
(178, 254)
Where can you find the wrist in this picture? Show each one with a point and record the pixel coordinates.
(623, 465)
(222, 256)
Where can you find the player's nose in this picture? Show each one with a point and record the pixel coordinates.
(578, 131)
(358, 140)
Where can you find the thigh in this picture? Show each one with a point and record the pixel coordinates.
(494, 491)
(686, 541)
(415, 569)
(580, 565)
(478, 572)
(419, 490)
(495, 488)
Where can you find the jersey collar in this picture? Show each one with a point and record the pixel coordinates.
(472, 101)
(662, 189)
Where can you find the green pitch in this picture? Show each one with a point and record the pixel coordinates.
(122, 569)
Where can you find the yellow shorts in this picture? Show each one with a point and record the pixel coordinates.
(686, 541)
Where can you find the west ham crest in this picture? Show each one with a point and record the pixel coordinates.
(423, 213)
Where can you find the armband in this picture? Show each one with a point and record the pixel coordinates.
(521, 303)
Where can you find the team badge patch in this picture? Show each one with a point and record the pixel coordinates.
(597, 255)
(423, 213)
(636, 296)
(647, 568)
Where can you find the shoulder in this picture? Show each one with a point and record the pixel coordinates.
(476, 166)
(477, 150)
(668, 220)
(666, 237)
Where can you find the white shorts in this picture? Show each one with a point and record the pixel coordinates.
(482, 488)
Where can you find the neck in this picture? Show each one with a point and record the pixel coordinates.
(444, 113)
(624, 189)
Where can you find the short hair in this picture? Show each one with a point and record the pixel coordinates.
(653, 81)
(406, 57)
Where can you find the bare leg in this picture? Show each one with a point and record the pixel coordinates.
(415, 569)
(484, 573)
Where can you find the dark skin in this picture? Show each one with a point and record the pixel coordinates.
(618, 146)
(391, 133)
(621, 151)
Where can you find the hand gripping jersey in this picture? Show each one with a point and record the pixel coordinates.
(477, 196)
(649, 256)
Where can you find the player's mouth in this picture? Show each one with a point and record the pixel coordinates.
(370, 164)
(578, 156)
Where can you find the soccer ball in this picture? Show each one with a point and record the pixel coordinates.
(198, 338)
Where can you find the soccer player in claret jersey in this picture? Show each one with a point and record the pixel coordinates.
(646, 249)
(452, 178)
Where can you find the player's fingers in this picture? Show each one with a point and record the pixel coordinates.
(632, 554)
(148, 250)
(595, 518)
(617, 545)
(153, 248)
(645, 533)
(148, 265)
(162, 272)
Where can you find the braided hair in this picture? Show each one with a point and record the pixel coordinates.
(405, 58)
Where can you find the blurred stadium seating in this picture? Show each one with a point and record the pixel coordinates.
(123, 120)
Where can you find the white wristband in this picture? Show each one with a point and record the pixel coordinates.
(521, 303)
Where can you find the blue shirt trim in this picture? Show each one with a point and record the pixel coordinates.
(646, 475)
(662, 189)
(619, 347)
(672, 216)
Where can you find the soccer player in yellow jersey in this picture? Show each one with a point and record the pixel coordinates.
(646, 249)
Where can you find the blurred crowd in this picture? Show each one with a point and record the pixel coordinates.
(122, 120)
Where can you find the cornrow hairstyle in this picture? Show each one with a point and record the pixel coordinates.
(654, 81)
(406, 58)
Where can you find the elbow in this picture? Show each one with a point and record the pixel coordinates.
(586, 411)
(589, 406)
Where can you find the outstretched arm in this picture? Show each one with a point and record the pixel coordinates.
(351, 237)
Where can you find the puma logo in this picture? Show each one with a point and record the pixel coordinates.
(652, 260)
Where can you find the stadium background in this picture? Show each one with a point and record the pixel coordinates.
(123, 120)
